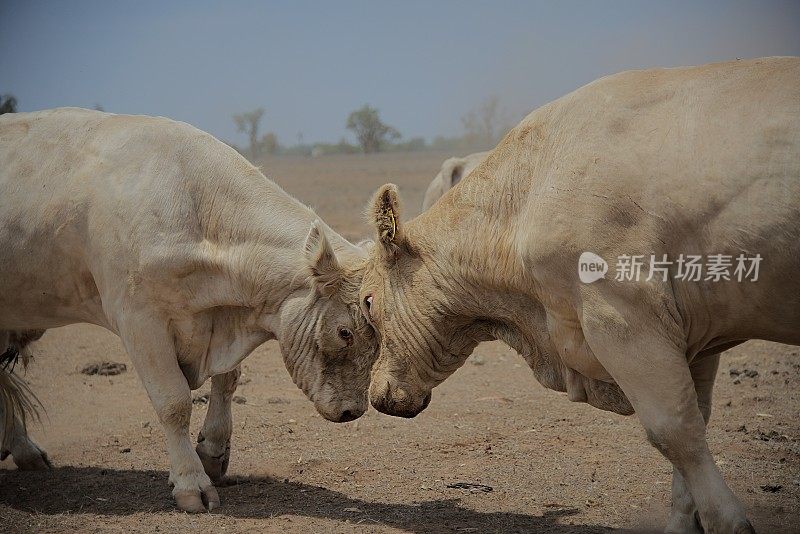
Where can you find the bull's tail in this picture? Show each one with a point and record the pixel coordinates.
(17, 401)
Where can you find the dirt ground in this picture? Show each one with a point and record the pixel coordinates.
(553, 466)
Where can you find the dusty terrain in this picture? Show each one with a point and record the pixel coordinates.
(554, 466)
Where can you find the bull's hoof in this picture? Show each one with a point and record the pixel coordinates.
(215, 464)
(31, 458)
(197, 501)
(744, 527)
(680, 523)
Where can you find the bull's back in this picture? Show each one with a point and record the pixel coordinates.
(79, 190)
(39, 207)
(96, 208)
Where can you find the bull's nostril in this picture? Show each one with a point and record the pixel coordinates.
(400, 395)
(427, 400)
(346, 416)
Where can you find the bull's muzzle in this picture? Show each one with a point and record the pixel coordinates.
(400, 401)
(343, 413)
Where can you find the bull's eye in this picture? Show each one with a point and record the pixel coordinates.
(345, 334)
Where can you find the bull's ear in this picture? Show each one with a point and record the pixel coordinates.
(326, 273)
(386, 218)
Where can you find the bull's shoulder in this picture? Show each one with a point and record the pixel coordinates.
(637, 161)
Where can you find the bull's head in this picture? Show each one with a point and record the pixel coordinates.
(327, 345)
(424, 334)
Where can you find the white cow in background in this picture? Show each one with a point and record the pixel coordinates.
(452, 171)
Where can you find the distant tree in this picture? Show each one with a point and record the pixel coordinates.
(98, 107)
(248, 123)
(269, 144)
(369, 130)
(482, 124)
(8, 104)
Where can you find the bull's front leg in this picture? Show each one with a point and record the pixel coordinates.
(683, 516)
(152, 351)
(214, 441)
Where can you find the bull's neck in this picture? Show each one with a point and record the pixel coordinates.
(258, 232)
(470, 236)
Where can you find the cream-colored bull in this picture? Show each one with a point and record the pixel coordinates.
(169, 238)
(690, 161)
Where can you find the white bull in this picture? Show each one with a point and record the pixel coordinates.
(169, 238)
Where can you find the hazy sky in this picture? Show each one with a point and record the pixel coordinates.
(422, 63)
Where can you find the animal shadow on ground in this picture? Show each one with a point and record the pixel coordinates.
(98, 491)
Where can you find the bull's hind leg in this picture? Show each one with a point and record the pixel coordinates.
(214, 441)
(27, 455)
(649, 364)
(683, 518)
(150, 346)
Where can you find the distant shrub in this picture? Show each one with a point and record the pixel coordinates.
(342, 147)
(415, 144)
(372, 134)
(8, 104)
